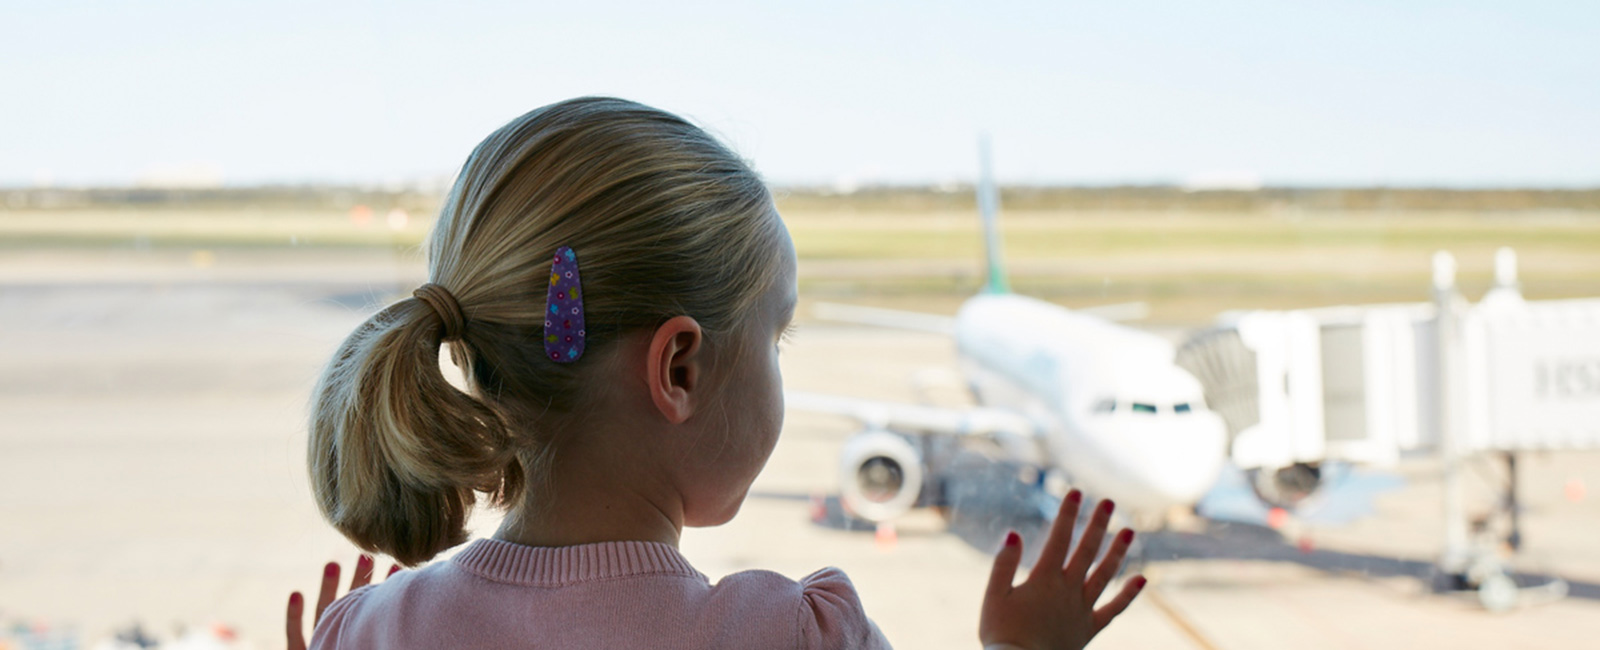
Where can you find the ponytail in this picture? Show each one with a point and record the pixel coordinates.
(395, 452)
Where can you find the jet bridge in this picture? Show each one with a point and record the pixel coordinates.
(1370, 384)
(1363, 384)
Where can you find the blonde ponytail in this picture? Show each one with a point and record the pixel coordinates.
(396, 453)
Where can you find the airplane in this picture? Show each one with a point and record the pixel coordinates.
(1285, 401)
(1070, 394)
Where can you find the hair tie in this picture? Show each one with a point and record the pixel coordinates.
(563, 315)
(445, 306)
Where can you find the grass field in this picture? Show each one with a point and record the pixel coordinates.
(1191, 266)
(1187, 265)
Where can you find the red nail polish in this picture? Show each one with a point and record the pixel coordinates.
(364, 561)
(1107, 506)
(1075, 496)
(331, 570)
(1013, 539)
(294, 598)
(1138, 583)
(1126, 536)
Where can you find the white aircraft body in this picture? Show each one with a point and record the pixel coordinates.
(1120, 418)
(1069, 393)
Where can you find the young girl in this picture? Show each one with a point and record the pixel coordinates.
(614, 283)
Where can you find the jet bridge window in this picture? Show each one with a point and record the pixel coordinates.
(1181, 407)
(1144, 408)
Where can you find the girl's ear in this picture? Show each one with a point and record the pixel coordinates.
(673, 369)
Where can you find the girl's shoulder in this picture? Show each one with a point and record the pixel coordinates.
(825, 606)
(331, 622)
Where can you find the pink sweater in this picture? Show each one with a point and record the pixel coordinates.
(496, 594)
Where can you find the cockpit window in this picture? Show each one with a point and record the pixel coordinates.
(1144, 408)
(1182, 407)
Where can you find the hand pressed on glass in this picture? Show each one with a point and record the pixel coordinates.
(1054, 607)
(325, 597)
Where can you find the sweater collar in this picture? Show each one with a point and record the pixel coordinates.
(545, 566)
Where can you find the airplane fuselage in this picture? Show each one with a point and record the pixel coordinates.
(1118, 417)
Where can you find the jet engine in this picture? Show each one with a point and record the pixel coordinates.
(880, 475)
(1286, 487)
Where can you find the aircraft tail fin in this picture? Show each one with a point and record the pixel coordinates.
(989, 208)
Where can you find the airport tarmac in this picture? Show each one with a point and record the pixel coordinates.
(152, 471)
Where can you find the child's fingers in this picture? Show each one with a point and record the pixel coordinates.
(1131, 588)
(1005, 566)
(330, 585)
(1089, 544)
(363, 573)
(294, 629)
(1054, 553)
(1108, 566)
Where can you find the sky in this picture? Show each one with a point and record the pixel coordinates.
(1400, 92)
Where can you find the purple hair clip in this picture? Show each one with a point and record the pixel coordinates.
(563, 317)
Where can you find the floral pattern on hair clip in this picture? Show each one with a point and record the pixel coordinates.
(564, 331)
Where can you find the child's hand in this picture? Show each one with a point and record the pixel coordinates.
(330, 585)
(1054, 608)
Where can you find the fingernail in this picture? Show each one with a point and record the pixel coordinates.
(331, 570)
(1107, 506)
(1138, 583)
(1074, 496)
(294, 598)
(364, 560)
(393, 570)
(1126, 536)
(1013, 539)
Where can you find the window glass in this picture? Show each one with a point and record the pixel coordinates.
(200, 201)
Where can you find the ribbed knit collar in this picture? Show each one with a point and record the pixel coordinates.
(544, 566)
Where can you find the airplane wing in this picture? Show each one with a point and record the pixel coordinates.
(912, 418)
(1119, 312)
(934, 323)
(1349, 494)
(880, 317)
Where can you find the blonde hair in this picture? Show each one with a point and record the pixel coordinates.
(665, 221)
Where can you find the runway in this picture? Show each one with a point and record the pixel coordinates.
(152, 470)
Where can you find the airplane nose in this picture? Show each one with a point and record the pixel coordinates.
(1196, 452)
(1151, 465)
